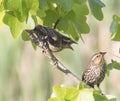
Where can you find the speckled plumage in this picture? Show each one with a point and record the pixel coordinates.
(55, 40)
(95, 72)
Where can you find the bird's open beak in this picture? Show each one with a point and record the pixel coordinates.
(103, 53)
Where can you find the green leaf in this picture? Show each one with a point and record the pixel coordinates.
(114, 64)
(81, 85)
(80, 21)
(115, 28)
(54, 99)
(16, 27)
(35, 20)
(59, 92)
(43, 4)
(50, 18)
(74, 23)
(72, 31)
(108, 72)
(71, 94)
(25, 36)
(41, 13)
(64, 22)
(79, 1)
(98, 97)
(116, 35)
(82, 27)
(34, 45)
(1, 6)
(100, 3)
(1, 18)
(21, 8)
(74, 94)
(96, 8)
(33, 6)
(115, 17)
(16, 7)
(65, 5)
(80, 9)
(65, 93)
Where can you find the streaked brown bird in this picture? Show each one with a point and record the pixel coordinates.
(95, 72)
(55, 40)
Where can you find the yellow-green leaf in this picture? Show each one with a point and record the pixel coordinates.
(16, 27)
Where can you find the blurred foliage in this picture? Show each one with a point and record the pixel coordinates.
(75, 94)
(115, 28)
(71, 13)
(1, 17)
(96, 10)
(114, 64)
(13, 23)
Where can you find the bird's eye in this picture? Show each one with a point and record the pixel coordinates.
(97, 56)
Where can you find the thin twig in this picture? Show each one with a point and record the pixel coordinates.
(60, 66)
(57, 63)
(56, 23)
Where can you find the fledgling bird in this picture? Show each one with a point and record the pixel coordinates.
(55, 40)
(95, 72)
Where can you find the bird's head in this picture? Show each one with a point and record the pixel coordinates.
(97, 58)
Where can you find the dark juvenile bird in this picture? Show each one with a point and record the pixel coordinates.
(55, 40)
(95, 72)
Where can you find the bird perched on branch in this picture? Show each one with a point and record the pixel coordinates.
(55, 40)
(95, 72)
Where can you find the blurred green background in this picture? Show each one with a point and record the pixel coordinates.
(27, 75)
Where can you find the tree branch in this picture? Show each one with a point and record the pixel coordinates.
(60, 66)
(56, 62)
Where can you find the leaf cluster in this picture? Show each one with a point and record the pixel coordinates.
(72, 15)
(78, 94)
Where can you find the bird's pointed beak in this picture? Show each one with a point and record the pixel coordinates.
(103, 53)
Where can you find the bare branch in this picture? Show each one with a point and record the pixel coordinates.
(57, 63)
